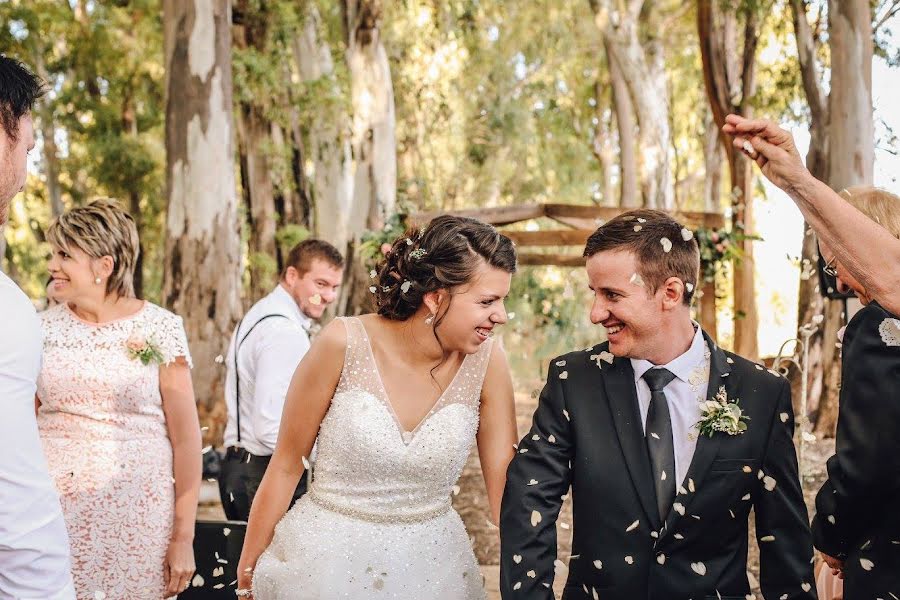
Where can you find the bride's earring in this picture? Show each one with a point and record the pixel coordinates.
(429, 319)
(98, 281)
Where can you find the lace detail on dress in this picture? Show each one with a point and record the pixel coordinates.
(104, 433)
(890, 332)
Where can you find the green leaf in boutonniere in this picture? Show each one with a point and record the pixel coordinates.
(721, 414)
(143, 348)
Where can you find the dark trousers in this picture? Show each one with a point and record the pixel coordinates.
(239, 480)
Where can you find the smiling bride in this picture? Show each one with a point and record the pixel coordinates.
(397, 400)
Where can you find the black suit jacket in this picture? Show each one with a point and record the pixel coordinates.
(858, 507)
(587, 434)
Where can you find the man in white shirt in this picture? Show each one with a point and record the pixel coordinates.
(265, 349)
(34, 545)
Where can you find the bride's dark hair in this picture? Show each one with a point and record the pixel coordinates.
(442, 255)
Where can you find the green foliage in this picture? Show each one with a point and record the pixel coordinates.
(720, 247)
(371, 242)
(290, 235)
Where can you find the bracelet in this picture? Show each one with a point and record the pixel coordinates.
(243, 593)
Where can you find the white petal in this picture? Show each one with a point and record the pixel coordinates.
(699, 568)
(666, 244)
(598, 564)
(769, 483)
(629, 560)
(535, 518)
(866, 564)
(517, 558)
(661, 559)
(633, 526)
(686, 234)
(564, 375)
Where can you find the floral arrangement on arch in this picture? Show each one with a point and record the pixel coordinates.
(719, 246)
(375, 243)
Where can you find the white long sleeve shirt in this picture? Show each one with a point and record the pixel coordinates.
(34, 544)
(683, 396)
(266, 362)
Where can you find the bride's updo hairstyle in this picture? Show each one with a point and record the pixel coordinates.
(442, 255)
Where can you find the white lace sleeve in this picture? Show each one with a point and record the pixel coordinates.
(172, 338)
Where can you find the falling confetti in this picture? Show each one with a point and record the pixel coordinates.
(686, 234)
(866, 564)
(315, 300)
(535, 518)
(666, 244)
(699, 568)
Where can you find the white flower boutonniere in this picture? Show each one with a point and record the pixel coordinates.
(721, 414)
(141, 347)
(890, 332)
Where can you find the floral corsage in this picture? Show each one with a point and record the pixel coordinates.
(141, 347)
(721, 414)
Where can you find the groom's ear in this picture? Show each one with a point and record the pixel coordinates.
(673, 293)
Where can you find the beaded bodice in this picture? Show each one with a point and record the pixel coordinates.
(368, 466)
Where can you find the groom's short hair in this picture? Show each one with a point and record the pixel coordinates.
(658, 243)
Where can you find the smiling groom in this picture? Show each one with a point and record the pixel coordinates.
(660, 509)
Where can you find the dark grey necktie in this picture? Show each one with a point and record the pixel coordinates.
(660, 445)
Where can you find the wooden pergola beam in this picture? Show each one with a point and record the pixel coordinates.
(556, 237)
(507, 215)
(534, 259)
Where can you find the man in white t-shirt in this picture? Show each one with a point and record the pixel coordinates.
(265, 349)
(34, 545)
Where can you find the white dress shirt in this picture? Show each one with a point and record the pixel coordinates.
(34, 544)
(267, 360)
(683, 395)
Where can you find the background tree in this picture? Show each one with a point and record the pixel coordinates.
(203, 263)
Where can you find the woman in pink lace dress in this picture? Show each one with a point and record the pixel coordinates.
(116, 415)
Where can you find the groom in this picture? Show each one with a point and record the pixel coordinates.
(660, 511)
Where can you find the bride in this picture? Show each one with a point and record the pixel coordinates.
(397, 400)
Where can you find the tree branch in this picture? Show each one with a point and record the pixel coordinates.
(889, 13)
(806, 52)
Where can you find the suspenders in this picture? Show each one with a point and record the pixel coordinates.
(237, 374)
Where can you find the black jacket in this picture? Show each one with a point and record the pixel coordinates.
(858, 508)
(587, 434)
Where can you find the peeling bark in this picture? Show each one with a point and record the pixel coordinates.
(203, 266)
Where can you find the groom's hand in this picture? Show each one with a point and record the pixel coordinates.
(836, 565)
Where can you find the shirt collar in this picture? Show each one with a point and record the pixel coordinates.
(282, 297)
(681, 366)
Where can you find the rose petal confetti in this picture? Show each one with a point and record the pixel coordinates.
(866, 564)
(598, 564)
(629, 560)
(769, 483)
(531, 574)
(767, 538)
(636, 279)
(404, 287)
(686, 234)
(315, 300)
(564, 375)
(637, 228)
(517, 558)
(633, 526)
(666, 244)
(805, 586)
(535, 518)
(784, 417)
(661, 559)
(699, 568)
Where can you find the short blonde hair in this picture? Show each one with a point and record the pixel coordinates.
(101, 228)
(879, 205)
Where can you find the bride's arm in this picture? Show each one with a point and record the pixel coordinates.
(497, 433)
(306, 403)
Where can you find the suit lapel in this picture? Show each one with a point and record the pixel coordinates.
(623, 405)
(707, 447)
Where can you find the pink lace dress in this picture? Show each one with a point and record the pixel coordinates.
(104, 432)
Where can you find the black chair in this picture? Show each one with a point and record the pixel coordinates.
(217, 549)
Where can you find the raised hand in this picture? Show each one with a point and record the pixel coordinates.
(770, 146)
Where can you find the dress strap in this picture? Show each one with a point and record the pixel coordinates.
(355, 353)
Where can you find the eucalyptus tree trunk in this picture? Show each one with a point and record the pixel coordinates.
(643, 69)
(851, 150)
(840, 153)
(373, 140)
(729, 71)
(329, 140)
(203, 260)
(629, 193)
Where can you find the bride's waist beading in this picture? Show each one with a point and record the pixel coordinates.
(378, 514)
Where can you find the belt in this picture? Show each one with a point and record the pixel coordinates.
(241, 454)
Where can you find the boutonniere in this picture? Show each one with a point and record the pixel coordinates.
(141, 347)
(890, 332)
(721, 414)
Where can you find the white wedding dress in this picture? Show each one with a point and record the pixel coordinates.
(377, 520)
